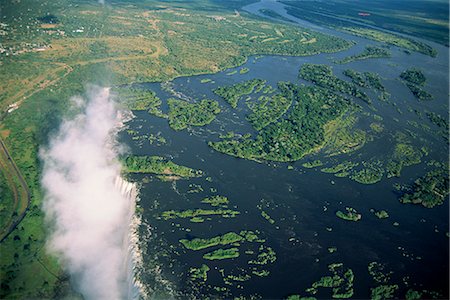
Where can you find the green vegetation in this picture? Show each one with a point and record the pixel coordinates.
(415, 80)
(198, 243)
(372, 173)
(140, 99)
(367, 80)
(265, 256)
(265, 215)
(413, 295)
(244, 70)
(368, 52)
(220, 254)
(429, 190)
(199, 273)
(350, 215)
(313, 164)
(268, 109)
(261, 273)
(392, 39)
(341, 282)
(332, 249)
(182, 113)
(232, 94)
(158, 165)
(414, 76)
(49, 60)
(195, 213)
(282, 140)
(322, 75)
(341, 136)
(383, 292)
(377, 272)
(216, 201)
(404, 155)
(381, 214)
(343, 167)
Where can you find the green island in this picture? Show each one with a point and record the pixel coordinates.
(383, 292)
(322, 75)
(140, 99)
(268, 109)
(341, 282)
(282, 141)
(415, 80)
(265, 215)
(182, 113)
(199, 273)
(244, 70)
(372, 172)
(365, 79)
(312, 164)
(216, 201)
(430, 190)
(380, 214)
(368, 52)
(196, 214)
(158, 165)
(220, 254)
(232, 94)
(350, 215)
(199, 243)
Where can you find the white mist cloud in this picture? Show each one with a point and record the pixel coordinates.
(89, 213)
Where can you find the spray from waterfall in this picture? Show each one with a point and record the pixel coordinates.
(89, 206)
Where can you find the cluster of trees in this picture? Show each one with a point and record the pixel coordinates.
(199, 243)
(140, 99)
(368, 52)
(222, 254)
(291, 138)
(415, 80)
(232, 94)
(192, 213)
(322, 75)
(268, 109)
(157, 165)
(183, 113)
(366, 79)
(429, 190)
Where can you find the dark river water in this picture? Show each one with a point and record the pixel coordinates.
(301, 201)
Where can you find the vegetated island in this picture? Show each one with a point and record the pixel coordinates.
(232, 94)
(159, 166)
(368, 52)
(415, 80)
(322, 75)
(350, 215)
(183, 113)
(282, 140)
(220, 254)
(429, 190)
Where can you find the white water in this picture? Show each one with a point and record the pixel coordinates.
(89, 205)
